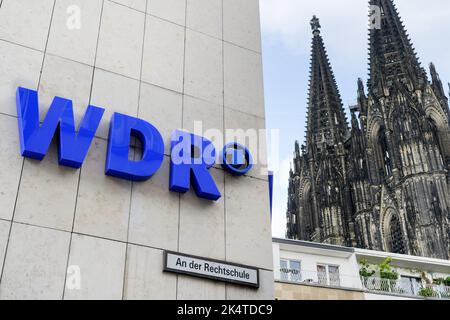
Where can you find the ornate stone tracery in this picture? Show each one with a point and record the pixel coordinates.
(383, 182)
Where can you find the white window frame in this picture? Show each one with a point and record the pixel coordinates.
(327, 274)
(290, 276)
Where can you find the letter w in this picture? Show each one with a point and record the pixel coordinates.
(35, 140)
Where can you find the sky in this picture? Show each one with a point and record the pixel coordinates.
(286, 36)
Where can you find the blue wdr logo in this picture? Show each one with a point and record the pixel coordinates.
(191, 156)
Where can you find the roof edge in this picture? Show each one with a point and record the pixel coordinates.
(314, 245)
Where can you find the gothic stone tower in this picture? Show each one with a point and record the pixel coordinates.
(319, 196)
(392, 168)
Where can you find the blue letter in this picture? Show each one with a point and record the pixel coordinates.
(191, 157)
(236, 159)
(35, 140)
(117, 163)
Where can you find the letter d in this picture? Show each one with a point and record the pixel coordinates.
(121, 129)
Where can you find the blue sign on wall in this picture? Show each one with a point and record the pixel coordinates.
(191, 158)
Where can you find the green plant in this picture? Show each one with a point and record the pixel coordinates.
(426, 292)
(386, 271)
(364, 270)
(446, 282)
(439, 281)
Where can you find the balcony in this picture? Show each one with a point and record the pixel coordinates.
(322, 279)
(375, 285)
(404, 287)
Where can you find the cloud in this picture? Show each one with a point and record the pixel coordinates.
(286, 23)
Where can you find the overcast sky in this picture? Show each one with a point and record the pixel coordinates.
(286, 53)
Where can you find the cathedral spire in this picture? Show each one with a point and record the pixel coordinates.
(327, 123)
(392, 56)
(315, 25)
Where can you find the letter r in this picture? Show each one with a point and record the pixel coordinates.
(186, 166)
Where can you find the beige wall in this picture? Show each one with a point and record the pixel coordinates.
(286, 291)
(171, 63)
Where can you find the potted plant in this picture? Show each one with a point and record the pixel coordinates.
(386, 271)
(426, 292)
(365, 272)
(446, 282)
(389, 275)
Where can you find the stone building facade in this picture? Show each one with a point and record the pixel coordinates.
(79, 234)
(382, 182)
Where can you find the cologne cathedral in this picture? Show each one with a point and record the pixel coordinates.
(382, 181)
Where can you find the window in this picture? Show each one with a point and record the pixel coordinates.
(322, 274)
(290, 270)
(383, 157)
(411, 285)
(396, 241)
(284, 270)
(295, 271)
(333, 274)
(328, 275)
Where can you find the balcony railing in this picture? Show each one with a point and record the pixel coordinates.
(401, 287)
(405, 287)
(321, 279)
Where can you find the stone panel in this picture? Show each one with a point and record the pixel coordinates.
(243, 85)
(170, 10)
(4, 235)
(252, 128)
(204, 118)
(120, 42)
(47, 193)
(19, 67)
(241, 23)
(248, 222)
(265, 292)
(190, 288)
(139, 5)
(67, 79)
(103, 203)
(163, 54)
(11, 165)
(285, 291)
(154, 205)
(35, 264)
(114, 93)
(31, 30)
(203, 75)
(72, 39)
(205, 16)
(202, 223)
(101, 265)
(163, 109)
(144, 279)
